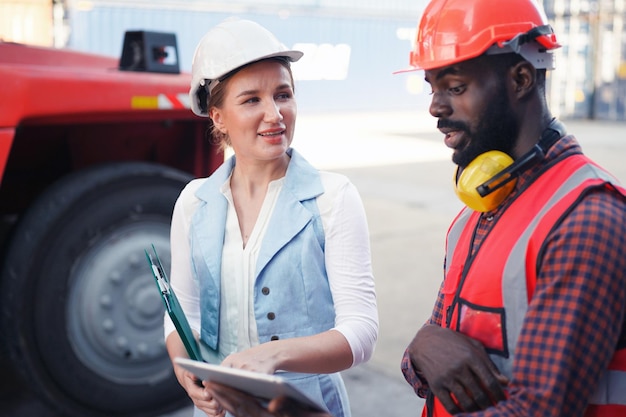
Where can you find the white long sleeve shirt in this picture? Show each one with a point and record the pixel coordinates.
(348, 264)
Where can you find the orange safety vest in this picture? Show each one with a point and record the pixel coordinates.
(496, 289)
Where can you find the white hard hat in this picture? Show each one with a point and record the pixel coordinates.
(228, 46)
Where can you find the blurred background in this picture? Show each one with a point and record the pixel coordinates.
(351, 46)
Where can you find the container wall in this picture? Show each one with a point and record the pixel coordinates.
(351, 48)
(590, 81)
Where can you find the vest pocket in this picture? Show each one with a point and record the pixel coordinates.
(485, 324)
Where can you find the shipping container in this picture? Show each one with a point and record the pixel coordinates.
(351, 47)
(590, 79)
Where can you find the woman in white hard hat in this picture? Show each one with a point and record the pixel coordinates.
(270, 257)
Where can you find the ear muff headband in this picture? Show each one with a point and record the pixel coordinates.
(486, 181)
(510, 172)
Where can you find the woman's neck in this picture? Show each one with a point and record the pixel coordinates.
(253, 177)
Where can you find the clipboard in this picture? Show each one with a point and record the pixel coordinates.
(172, 306)
(263, 386)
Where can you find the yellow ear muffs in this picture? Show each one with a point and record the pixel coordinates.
(480, 171)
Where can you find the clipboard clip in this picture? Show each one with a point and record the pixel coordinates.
(159, 276)
(173, 307)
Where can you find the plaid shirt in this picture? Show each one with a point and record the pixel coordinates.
(576, 317)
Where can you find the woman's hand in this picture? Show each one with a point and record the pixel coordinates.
(323, 353)
(261, 358)
(202, 398)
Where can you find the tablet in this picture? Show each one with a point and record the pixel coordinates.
(263, 386)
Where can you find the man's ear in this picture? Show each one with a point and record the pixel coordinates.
(524, 78)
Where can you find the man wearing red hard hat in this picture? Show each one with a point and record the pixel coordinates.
(529, 319)
(530, 316)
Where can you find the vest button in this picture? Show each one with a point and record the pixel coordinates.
(271, 316)
(274, 338)
(265, 290)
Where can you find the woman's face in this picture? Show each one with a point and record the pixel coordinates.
(258, 113)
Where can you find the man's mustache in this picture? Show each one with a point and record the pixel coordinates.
(451, 124)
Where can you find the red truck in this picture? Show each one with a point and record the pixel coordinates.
(93, 153)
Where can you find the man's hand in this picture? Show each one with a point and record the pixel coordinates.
(241, 404)
(457, 369)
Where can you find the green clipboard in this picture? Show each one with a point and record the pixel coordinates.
(173, 307)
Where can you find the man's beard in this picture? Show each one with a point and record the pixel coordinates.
(497, 130)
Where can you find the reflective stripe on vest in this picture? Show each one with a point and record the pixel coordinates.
(612, 386)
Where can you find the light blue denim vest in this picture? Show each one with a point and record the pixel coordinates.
(292, 296)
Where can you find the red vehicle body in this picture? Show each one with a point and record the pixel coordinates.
(92, 159)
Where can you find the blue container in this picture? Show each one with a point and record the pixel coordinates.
(351, 47)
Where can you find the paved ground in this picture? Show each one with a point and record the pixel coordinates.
(404, 174)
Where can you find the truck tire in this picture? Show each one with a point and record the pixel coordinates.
(82, 315)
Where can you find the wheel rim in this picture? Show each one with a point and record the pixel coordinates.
(115, 312)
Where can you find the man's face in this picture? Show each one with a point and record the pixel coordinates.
(472, 104)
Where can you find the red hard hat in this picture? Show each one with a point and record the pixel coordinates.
(451, 31)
